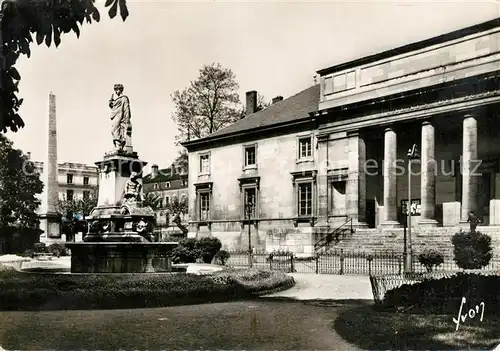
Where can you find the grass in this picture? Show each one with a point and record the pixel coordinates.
(369, 328)
(250, 325)
(24, 291)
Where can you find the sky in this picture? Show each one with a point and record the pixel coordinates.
(272, 47)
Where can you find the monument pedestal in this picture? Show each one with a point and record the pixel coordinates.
(120, 236)
(50, 223)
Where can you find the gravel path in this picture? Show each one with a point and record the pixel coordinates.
(327, 287)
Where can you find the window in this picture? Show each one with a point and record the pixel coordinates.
(86, 194)
(204, 206)
(184, 182)
(249, 190)
(155, 186)
(250, 155)
(304, 183)
(305, 199)
(250, 196)
(205, 163)
(160, 203)
(69, 194)
(167, 200)
(167, 185)
(69, 178)
(305, 148)
(339, 198)
(85, 180)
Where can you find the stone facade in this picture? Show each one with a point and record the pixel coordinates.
(167, 184)
(441, 94)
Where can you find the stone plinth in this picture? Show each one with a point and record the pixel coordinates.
(119, 257)
(114, 171)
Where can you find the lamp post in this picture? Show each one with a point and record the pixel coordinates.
(412, 155)
(249, 209)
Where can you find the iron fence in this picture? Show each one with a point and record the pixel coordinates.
(342, 261)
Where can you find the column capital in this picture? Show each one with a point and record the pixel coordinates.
(468, 115)
(353, 133)
(427, 123)
(389, 128)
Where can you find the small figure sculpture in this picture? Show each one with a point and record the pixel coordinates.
(121, 127)
(473, 220)
(133, 190)
(141, 226)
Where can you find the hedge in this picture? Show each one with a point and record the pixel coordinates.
(444, 295)
(25, 291)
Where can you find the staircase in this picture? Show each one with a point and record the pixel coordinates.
(372, 240)
(334, 237)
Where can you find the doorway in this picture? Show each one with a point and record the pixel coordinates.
(370, 213)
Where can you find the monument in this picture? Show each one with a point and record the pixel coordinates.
(49, 219)
(120, 236)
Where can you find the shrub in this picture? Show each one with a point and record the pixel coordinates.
(57, 249)
(185, 252)
(192, 250)
(472, 250)
(430, 259)
(207, 248)
(222, 257)
(444, 295)
(20, 291)
(40, 247)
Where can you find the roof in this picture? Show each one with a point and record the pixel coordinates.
(292, 109)
(477, 28)
(163, 176)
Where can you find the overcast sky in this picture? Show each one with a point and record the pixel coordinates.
(272, 47)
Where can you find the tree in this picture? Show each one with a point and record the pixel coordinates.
(210, 103)
(262, 103)
(46, 20)
(176, 208)
(152, 200)
(181, 163)
(69, 209)
(19, 186)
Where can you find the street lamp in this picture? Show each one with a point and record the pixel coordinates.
(249, 210)
(412, 155)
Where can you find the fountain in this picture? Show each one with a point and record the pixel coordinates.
(120, 236)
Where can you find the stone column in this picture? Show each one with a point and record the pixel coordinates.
(322, 181)
(356, 182)
(468, 166)
(390, 179)
(428, 176)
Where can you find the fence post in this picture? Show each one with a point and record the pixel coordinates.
(270, 262)
(341, 261)
(399, 264)
(317, 263)
(291, 263)
(369, 258)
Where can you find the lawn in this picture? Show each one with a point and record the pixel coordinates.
(250, 325)
(369, 328)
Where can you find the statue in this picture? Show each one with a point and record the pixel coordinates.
(121, 127)
(133, 190)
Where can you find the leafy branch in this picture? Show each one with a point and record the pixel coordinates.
(22, 22)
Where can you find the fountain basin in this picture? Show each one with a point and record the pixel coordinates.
(121, 257)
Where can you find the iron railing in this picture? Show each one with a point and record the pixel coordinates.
(337, 234)
(343, 262)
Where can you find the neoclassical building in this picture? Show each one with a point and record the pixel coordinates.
(337, 152)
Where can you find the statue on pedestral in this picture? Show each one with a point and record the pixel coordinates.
(121, 127)
(133, 190)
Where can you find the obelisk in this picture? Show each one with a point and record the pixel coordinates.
(49, 219)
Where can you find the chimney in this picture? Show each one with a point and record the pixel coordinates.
(251, 102)
(154, 171)
(277, 99)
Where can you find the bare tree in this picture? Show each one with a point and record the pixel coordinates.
(210, 103)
